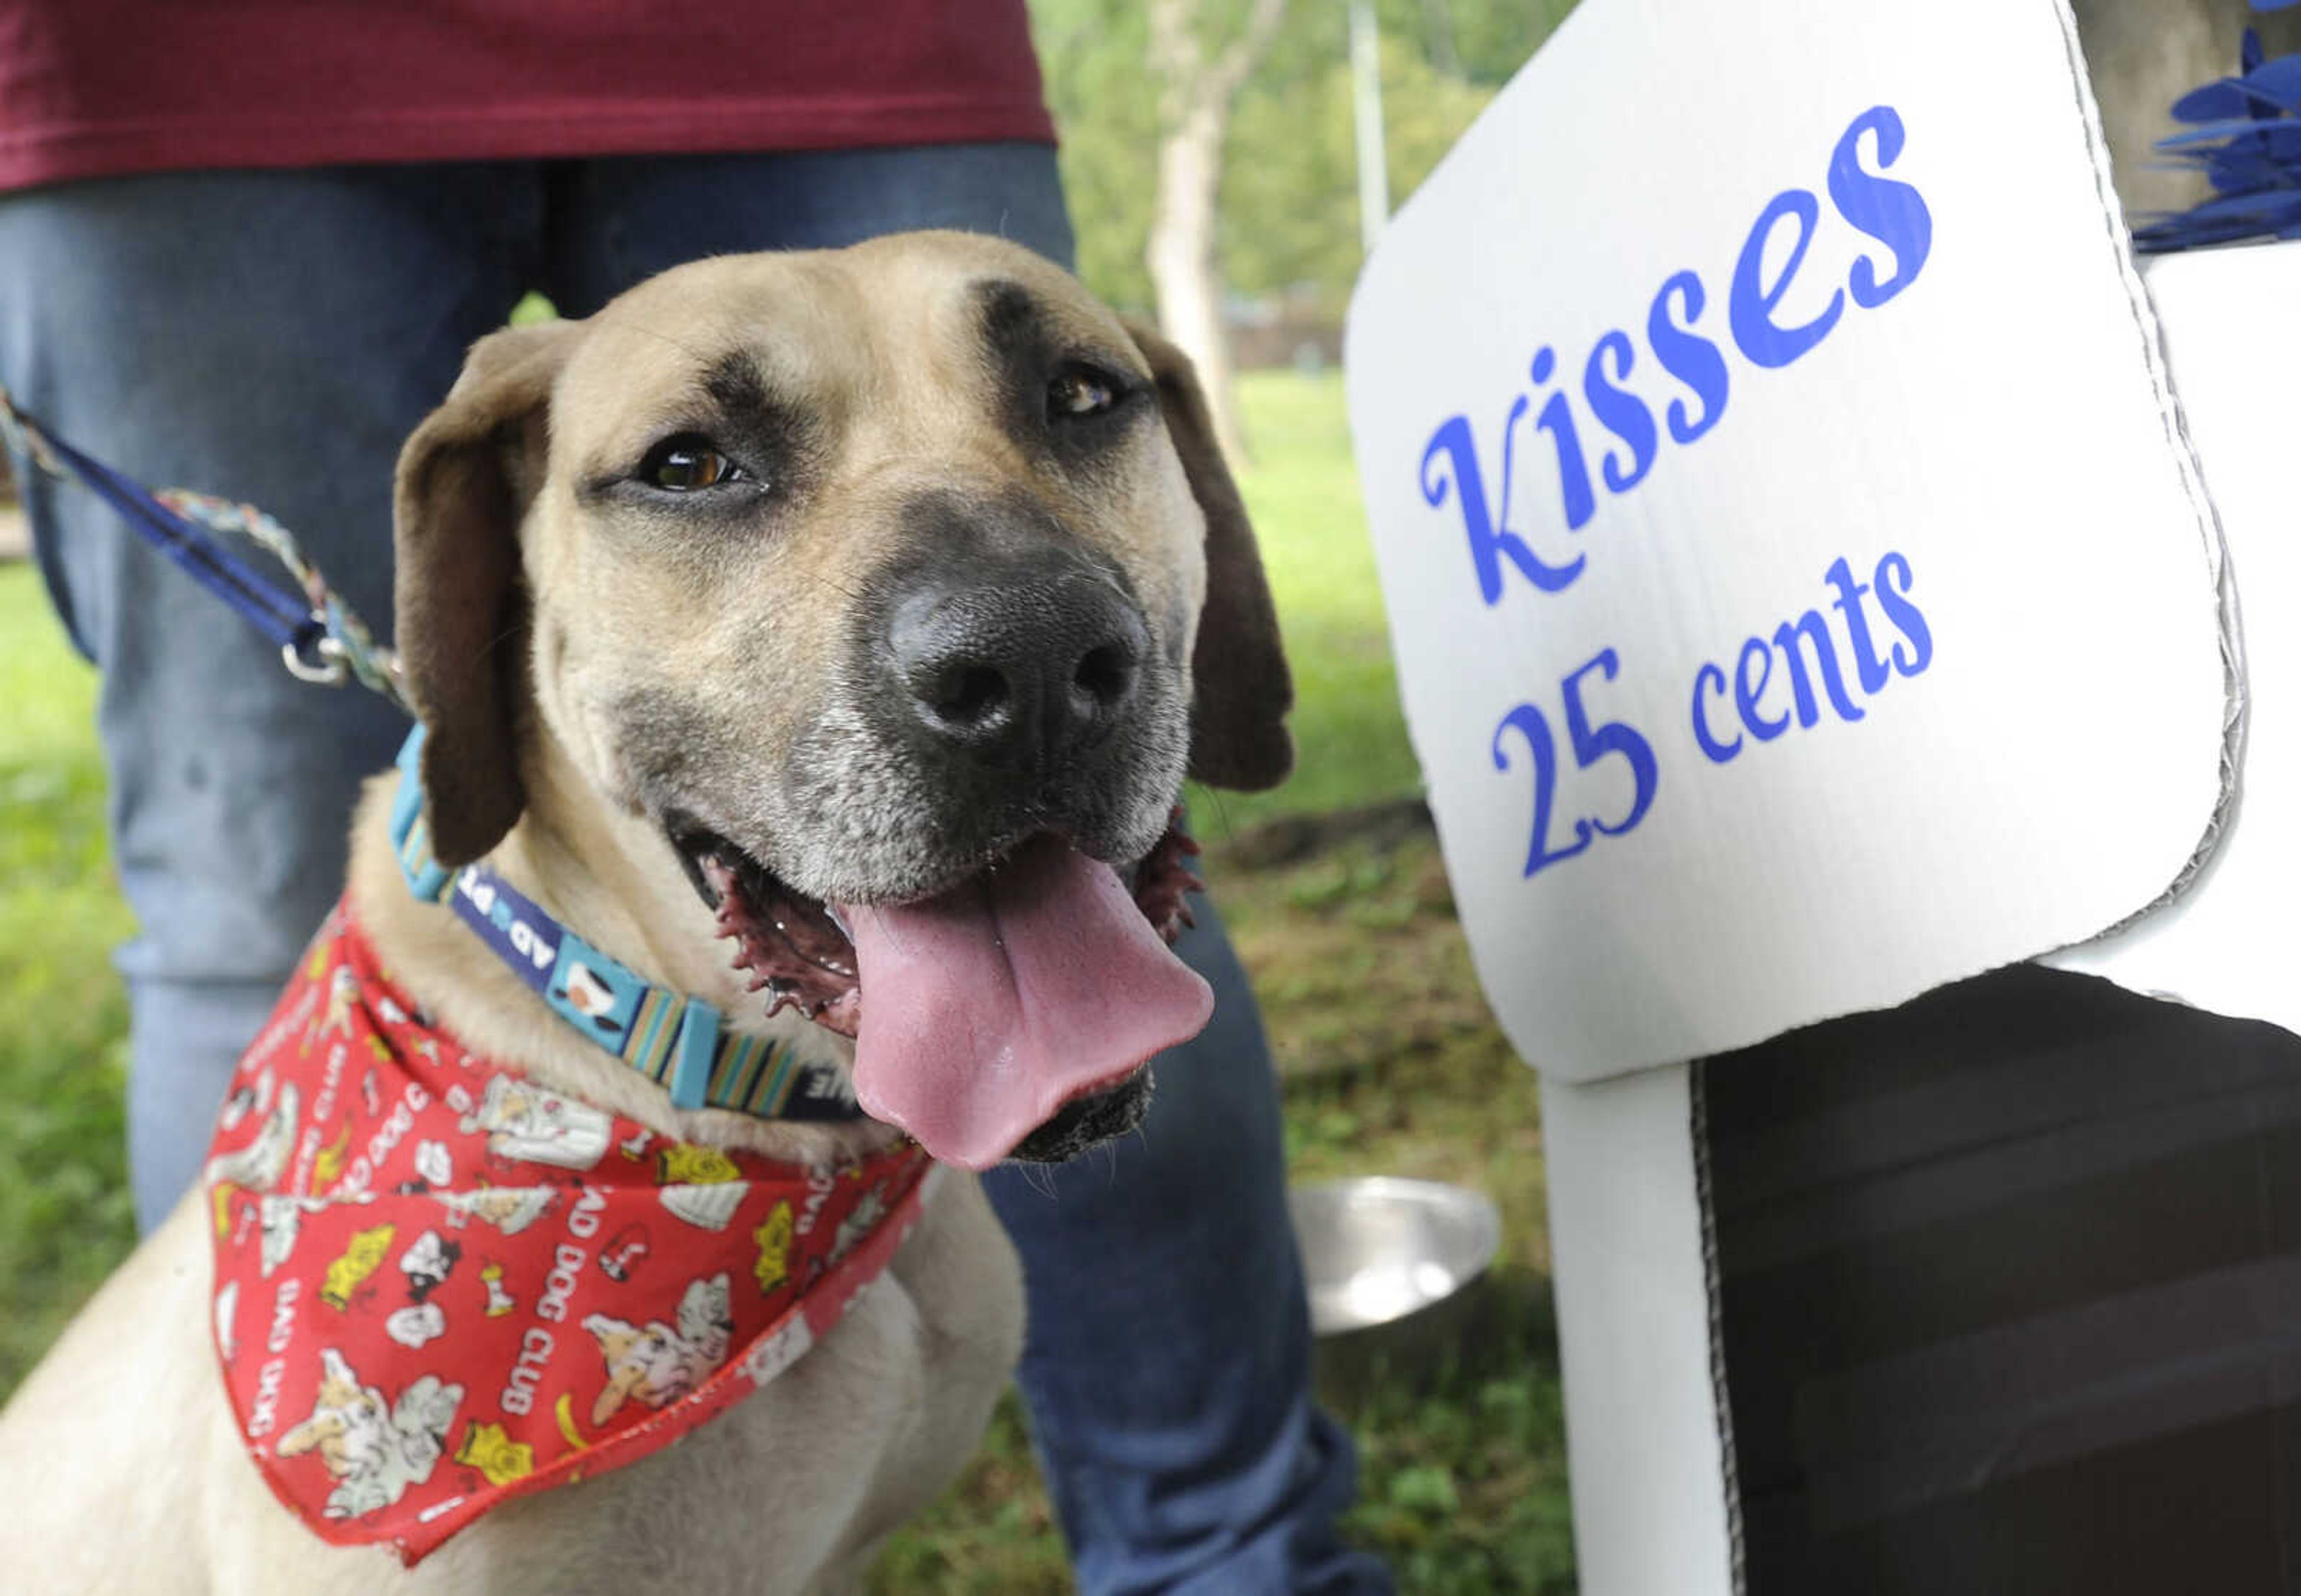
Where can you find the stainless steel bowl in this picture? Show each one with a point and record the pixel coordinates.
(1378, 1249)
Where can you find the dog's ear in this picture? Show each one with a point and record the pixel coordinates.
(1240, 689)
(464, 480)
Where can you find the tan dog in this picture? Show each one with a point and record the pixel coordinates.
(882, 597)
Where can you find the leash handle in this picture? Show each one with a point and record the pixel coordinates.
(320, 638)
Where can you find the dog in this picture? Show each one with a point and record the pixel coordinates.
(868, 608)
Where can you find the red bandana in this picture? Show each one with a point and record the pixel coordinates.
(439, 1287)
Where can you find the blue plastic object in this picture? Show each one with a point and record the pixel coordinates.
(2244, 134)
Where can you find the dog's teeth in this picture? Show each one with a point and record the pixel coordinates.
(838, 920)
(782, 994)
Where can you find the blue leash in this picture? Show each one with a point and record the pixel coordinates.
(320, 638)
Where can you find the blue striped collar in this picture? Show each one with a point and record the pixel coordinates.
(674, 1040)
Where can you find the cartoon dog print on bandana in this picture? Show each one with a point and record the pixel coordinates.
(375, 1452)
(511, 1209)
(658, 1365)
(523, 1121)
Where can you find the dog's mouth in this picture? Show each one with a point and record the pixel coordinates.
(1041, 979)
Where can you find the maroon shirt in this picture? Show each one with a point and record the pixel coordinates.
(99, 88)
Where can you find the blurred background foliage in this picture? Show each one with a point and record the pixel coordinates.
(1288, 220)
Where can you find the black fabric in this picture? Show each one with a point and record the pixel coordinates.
(2010, 1295)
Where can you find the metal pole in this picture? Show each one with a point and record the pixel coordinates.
(1366, 102)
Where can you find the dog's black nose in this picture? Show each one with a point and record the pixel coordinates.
(1015, 663)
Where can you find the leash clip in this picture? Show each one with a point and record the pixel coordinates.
(331, 668)
(18, 434)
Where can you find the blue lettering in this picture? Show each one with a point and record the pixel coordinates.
(1746, 693)
(1809, 634)
(1812, 627)
(1687, 356)
(1889, 214)
(1609, 737)
(1557, 419)
(1619, 412)
(1490, 543)
(1527, 721)
(1894, 213)
(1750, 311)
(1867, 666)
(1719, 752)
(1893, 572)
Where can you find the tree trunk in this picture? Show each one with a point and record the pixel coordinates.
(1195, 99)
(1182, 260)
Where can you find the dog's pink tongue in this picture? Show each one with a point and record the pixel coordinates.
(990, 1007)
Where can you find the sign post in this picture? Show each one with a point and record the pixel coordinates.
(1804, 596)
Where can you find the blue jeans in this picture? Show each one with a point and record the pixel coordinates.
(272, 336)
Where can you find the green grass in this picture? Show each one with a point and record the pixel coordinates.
(1392, 1064)
(64, 1213)
(1303, 493)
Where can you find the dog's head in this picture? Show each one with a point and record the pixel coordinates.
(896, 591)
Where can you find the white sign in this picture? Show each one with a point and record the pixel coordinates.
(2233, 331)
(1801, 585)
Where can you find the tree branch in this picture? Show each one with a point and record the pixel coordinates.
(1188, 87)
(1174, 55)
(1232, 66)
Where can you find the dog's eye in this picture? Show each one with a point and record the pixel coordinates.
(685, 463)
(1078, 393)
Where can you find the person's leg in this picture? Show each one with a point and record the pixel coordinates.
(271, 337)
(1168, 1362)
(1169, 1359)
